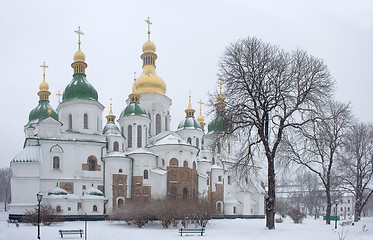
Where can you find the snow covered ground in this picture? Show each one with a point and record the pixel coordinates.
(217, 229)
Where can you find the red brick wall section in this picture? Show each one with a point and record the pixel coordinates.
(119, 187)
(179, 178)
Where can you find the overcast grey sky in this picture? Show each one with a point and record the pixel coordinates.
(190, 37)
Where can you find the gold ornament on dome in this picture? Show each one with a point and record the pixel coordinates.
(44, 86)
(79, 55)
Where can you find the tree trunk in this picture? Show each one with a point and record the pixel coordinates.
(328, 205)
(270, 202)
(357, 207)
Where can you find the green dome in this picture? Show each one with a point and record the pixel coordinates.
(218, 125)
(134, 109)
(111, 129)
(189, 123)
(80, 88)
(41, 112)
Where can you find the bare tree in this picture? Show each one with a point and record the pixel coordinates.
(356, 165)
(5, 176)
(267, 91)
(317, 143)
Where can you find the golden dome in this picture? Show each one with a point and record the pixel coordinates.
(200, 119)
(148, 47)
(79, 56)
(44, 86)
(149, 82)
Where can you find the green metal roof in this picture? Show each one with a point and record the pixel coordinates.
(189, 123)
(218, 125)
(40, 112)
(79, 88)
(134, 109)
(111, 129)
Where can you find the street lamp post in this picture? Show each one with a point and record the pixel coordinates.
(336, 213)
(39, 197)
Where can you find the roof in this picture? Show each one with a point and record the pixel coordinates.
(170, 139)
(80, 88)
(29, 154)
(134, 109)
(40, 112)
(159, 171)
(228, 198)
(189, 123)
(111, 129)
(141, 151)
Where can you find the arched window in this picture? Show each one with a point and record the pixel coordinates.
(129, 136)
(218, 207)
(197, 142)
(120, 202)
(150, 125)
(146, 174)
(70, 121)
(116, 146)
(139, 136)
(85, 121)
(163, 162)
(219, 178)
(174, 162)
(229, 180)
(120, 170)
(157, 124)
(189, 140)
(92, 163)
(185, 191)
(58, 209)
(234, 210)
(94, 208)
(194, 165)
(165, 124)
(56, 163)
(185, 164)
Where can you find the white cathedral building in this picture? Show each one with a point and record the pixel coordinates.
(82, 167)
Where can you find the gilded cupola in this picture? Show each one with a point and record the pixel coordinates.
(149, 81)
(189, 122)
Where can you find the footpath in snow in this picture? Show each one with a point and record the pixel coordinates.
(227, 229)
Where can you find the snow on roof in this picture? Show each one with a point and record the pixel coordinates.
(202, 175)
(170, 139)
(29, 154)
(141, 151)
(93, 193)
(230, 199)
(159, 171)
(116, 154)
(215, 166)
(57, 191)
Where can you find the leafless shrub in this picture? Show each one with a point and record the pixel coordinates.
(296, 215)
(48, 216)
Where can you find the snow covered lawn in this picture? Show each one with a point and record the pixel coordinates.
(217, 229)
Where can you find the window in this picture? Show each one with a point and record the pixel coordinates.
(84, 187)
(189, 140)
(174, 162)
(139, 136)
(129, 136)
(68, 208)
(229, 179)
(116, 146)
(85, 121)
(150, 125)
(120, 170)
(229, 147)
(185, 191)
(157, 124)
(348, 209)
(165, 124)
(218, 207)
(234, 210)
(194, 165)
(122, 131)
(94, 208)
(163, 162)
(208, 181)
(246, 180)
(173, 191)
(58, 209)
(185, 164)
(341, 209)
(213, 160)
(146, 174)
(92, 163)
(70, 121)
(56, 163)
(120, 202)
(348, 201)
(219, 178)
(79, 205)
(197, 143)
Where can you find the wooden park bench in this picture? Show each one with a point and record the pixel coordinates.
(191, 230)
(70, 232)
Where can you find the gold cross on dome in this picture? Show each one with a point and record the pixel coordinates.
(111, 106)
(200, 105)
(59, 96)
(79, 33)
(44, 67)
(148, 22)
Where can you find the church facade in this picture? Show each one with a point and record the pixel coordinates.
(83, 166)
